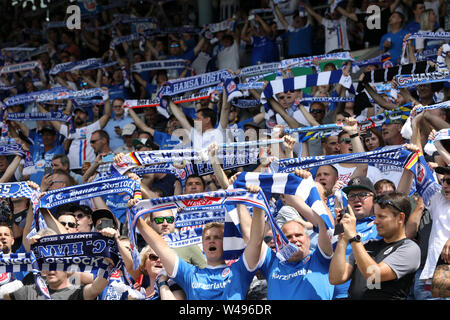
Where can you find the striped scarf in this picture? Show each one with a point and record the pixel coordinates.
(283, 85)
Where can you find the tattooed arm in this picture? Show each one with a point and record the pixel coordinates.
(440, 286)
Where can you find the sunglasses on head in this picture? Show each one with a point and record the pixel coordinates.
(70, 224)
(153, 257)
(384, 202)
(160, 220)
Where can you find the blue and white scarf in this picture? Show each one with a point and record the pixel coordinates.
(405, 81)
(24, 66)
(12, 149)
(55, 198)
(39, 116)
(357, 65)
(74, 65)
(426, 186)
(443, 134)
(158, 64)
(283, 85)
(230, 196)
(393, 155)
(52, 95)
(80, 252)
(175, 87)
(287, 63)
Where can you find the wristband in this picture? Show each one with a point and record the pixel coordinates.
(162, 283)
(354, 135)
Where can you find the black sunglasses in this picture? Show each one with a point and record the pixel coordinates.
(384, 202)
(346, 140)
(446, 180)
(70, 224)
(316, 111)
(153, 257)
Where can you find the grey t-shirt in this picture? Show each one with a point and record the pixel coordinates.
(404, 260)
(31, 292)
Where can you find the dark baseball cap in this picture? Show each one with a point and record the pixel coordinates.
(104, 213)
(48, 129)
(443, 170)
(359, 183)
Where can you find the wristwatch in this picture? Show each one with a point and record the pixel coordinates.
(354, 135)
(356, 238)
(162, 283)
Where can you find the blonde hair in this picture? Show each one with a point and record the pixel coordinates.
(144, 256)
(211, 225)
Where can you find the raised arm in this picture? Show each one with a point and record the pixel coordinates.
(139, 123)
(107, 113)
(255, 249)
(167, 255)
(281, 17)
(9, 172)
(179, 114)
(292, 123)
(312, 13)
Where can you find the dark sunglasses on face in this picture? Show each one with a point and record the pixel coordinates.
(153, 257)
(359, 195)
(70, 224)
(446, 180)
(316, 111)
(384, 202)
(267, 239)
(174, 45)
(80, 216)
(346, 140)
(160, 220)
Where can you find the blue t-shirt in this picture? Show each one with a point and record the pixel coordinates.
(396, 48)
(300, 41)
(213, 283)
(263, 50)
(303, 280)
(116, 141)
(165, 140)
(117, 91)
(43, 159)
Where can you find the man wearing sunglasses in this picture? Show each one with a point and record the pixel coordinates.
(163, 222)
(380, 269)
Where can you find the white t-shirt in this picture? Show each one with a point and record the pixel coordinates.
(440, 232)
(335, 34)
(203, 140)
(228, 57)
(346, 173)
(80, 149)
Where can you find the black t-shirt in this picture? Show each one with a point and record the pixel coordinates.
(402, 256)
